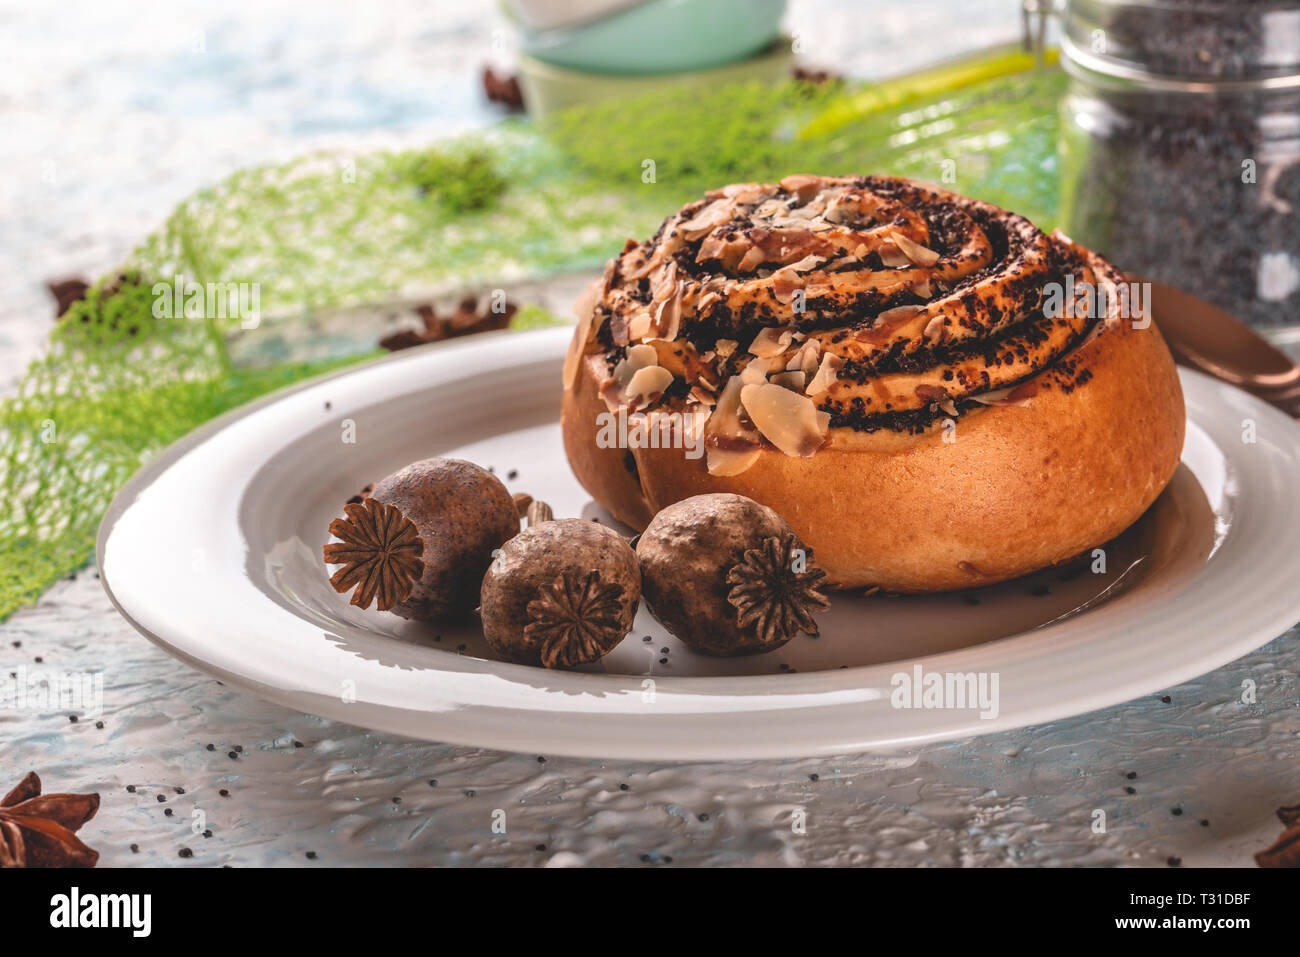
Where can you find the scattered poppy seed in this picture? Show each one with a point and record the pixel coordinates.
(239, 748)
(232, 755)
(311, 855)
(663, 661)
(624, 787)
(469, 794)
(186, 852)
(224, 793)
(130, 788)
(18, 644)
(667, 859)
(663, 651)
(167, 812)
(814, 777)
(207, 832)
(702, 817)
(1129, 790)
(212, 747)
(433, 782)
(397, 800)
(541, 847)
(1131, 775)
(161, 798)
(1175, 862)
(1176, 811)
(647, 639)
(328, 406)
(784, 666)
(645, 858)
(99, 725)
(512, 474)
(297, 744)
(135, 848)
(72, 718)
(180, 790)
(1166, 699)
(540, 759)
(39, 659)
(1205, 822)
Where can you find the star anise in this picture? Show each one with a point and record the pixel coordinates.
(770, 595)
(66, 292)
(380, 552)
(503, 89)
(466, 320)
(575, 620)
(1285, 851)
(37, 830)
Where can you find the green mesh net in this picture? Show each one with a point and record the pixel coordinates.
(122, 377)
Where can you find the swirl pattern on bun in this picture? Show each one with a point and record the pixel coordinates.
(876, 303)
(934, 393)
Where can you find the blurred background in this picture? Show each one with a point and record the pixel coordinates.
(113, 112)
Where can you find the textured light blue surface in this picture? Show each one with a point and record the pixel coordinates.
(1016, 798)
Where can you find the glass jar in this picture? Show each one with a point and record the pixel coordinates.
(1181, 146)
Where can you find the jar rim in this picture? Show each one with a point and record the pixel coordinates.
(1123, 75)
(1192, 46)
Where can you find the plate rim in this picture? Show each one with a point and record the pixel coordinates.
(1283, 617)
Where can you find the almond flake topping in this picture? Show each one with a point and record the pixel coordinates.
(638, 326)
(892, 256)
(802, 185)
(756, 371)
(896, 314)
(787, 419)
(789, 380)
(731, 443)
(998, 397)
(646, 386)
(826, 375)
(770, 341)
(668, 319)
(706, 220)
(914, 251)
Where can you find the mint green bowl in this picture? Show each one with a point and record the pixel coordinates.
(548, 89)
(662, 36)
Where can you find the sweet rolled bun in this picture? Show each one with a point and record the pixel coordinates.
(929, 389)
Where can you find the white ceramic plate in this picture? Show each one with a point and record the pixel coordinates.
(214, 552)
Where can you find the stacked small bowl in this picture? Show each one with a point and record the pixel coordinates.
(580, 51)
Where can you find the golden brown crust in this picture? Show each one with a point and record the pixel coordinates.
(1092, 436)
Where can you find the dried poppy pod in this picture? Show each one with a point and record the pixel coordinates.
(417, 543)
(728, 577)
(560, 593)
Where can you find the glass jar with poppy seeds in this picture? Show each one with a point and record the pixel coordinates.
(1181, 146)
